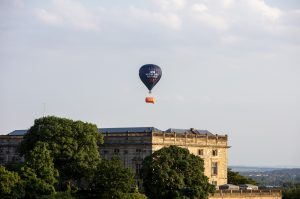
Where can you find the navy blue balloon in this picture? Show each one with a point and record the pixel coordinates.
(150, 74)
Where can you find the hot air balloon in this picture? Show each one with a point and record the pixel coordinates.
(150, 74)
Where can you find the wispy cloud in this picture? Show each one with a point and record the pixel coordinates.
(228, 3)
(169, 20)
(68, 12)
(48, 17)
(199, 7)
(262, 7)
(205, 16)
(170, 4)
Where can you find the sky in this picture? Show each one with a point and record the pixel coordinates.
(229, 66)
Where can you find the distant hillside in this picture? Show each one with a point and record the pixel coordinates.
(270, 176)
(252, 169)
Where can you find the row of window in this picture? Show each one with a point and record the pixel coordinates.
(10, 158)
(117, 151)
(214, 168)
(138, 150)
(213, 153)
(8, 151)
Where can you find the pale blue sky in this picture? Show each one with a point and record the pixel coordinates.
(229, 66)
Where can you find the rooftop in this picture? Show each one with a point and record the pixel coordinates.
(129, 130)
(133, 130)
(18, 132)
(191, 130)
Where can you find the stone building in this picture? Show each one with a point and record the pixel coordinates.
(8, 147)
(132, 145)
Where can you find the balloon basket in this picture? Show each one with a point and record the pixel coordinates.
(150, 100)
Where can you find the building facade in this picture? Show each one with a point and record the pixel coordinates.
(132, 145)
(8, 149)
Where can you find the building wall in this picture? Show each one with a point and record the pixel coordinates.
(132, 148)
(249, 194)
(194, 143)
(8, 149)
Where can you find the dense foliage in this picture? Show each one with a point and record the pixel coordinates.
(111, 177)
(38, 172)
(73, 145)
(59, 153)
(133, 196)
(291, 191)
(175, 173)
(59, 195)
(237, 179)
(10, 184)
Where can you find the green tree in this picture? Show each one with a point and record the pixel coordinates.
(120, 195)
(236, 179)
(175, 173)
(10, 184)
(112, 178)
(133, 196)
(73, 145)
(59, 195)
(291, 191)
(38, 173)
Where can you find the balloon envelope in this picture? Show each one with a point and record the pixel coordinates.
(150, 74)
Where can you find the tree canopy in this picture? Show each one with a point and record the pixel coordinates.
(58, 152)
(291, 191)
(10, 184)
(237, 179)
(38, 173)
(72, 144)
(112, 178)
(173, 172)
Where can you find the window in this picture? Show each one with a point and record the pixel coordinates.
(16, 159)
(214, 168)
(200, 151)
(116, 150)
(138, 168)
(214, 152)
(214, 183)
(105, 152)
(125, 152)
(138, 150)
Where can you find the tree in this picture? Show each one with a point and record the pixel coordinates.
(10, 184)
(38, 173)
(59, 195)
(73, 145)
(133, 196)
(236, 179)
(112, 178)
(175, 173)
(291, 191)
